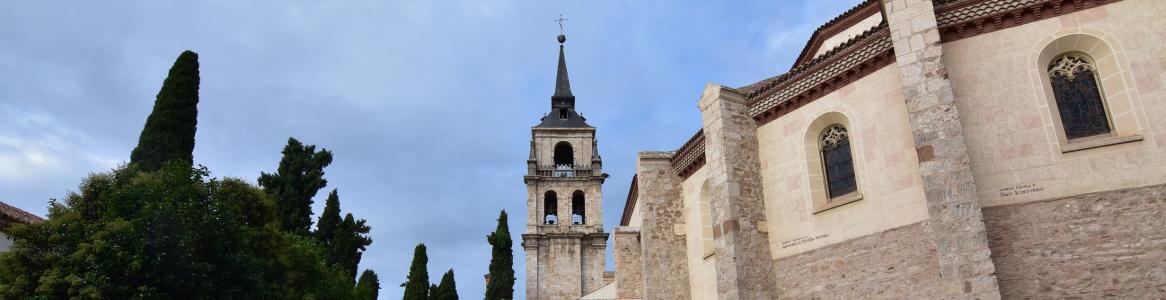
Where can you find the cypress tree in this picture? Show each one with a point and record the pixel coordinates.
(329, 221)
(169, 131)
(447, 289)
(349, 244)
(368, 286)
(501, 285)
(299, 177)
(417, 283)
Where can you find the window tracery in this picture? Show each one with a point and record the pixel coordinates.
(1077, 91)
(837, 161)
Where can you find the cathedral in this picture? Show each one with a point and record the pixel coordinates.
(916, 149)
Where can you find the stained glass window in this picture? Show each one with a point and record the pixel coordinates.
(837, 160)
(1078, 94)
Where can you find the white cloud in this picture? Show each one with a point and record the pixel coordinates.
(34, 146)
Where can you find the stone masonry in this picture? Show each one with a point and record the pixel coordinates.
(629, 263)
(734, 173)
(897, 263)
(662, 247)
(1092, 246)
(955, 224)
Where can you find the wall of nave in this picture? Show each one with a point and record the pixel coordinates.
(1058, 216)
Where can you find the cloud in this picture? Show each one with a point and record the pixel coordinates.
(33, 146)
(427, 105)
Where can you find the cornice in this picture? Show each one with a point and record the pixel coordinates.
(846, 63)
(958, 19)
(633, 195)
(690, 156)
(835, 26)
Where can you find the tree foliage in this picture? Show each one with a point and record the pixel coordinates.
(345, 239)
(330, 220)
(169, 131)
(417, 282)
(501, 283)
(299, 177)
(446, 290)
(160, 228)
(368, 286)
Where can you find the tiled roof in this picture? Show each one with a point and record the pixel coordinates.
(847, 62)
(690, 156)
(959, 19)
(18, 215)
(840, 23)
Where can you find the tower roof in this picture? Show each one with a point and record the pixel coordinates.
(562, 82)
(563, 113)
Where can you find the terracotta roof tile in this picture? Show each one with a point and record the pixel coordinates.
(18, 215)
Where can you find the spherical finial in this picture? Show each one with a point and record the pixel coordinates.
(562, 38)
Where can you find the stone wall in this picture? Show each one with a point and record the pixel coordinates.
(1013, 131)
(702, 268)
(955, 222)
(629, 265)
(665, 269)
(558, 273)
(885, 165)
(738, 207)
(1091, 246)
(895, 264)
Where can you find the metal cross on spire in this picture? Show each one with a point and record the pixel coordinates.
(560, 20)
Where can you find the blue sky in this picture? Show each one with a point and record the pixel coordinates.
(426, 105)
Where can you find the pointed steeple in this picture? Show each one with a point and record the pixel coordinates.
(563, 96)
(563, 114)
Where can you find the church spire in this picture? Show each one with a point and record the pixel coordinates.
(563, 97)
(563, 114)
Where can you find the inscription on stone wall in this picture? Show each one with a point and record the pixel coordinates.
(801, 240)
(1021, 190)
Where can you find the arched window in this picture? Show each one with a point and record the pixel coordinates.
(837, 161)
(564, 155)
(578, 208)
(550, 208)
(1078, 94)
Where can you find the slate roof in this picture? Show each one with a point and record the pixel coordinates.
(563, 114)
(573, 120)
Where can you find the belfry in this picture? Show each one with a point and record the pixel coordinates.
(564, 239)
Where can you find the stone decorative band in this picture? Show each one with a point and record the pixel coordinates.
(633, 196)
(850, 61)
(689, 157)
(962, 19)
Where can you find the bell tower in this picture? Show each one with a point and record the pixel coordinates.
(564, 240)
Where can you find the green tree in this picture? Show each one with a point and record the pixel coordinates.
(299, 177)
(501, 284)
(368, 286)
(329, 221)
(417, 283)
(127, 234)
(172, 232)
(446, 290)
(351, 241)
(344, 239)
(169, 131)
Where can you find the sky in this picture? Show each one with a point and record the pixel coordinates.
(426, 104)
